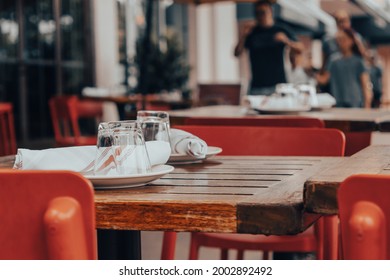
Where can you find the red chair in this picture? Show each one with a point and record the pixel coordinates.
(278, 121)
(7, 130)
(275, 141)
(46, 215)
(364, 211)
(66, 112)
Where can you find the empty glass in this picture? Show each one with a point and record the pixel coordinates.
(121, 149)
(286, 90)
(164, 116)
(308, 94)
(156, 134)
(105, 162)
(150, 121)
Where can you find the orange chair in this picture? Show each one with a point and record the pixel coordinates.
(66, 112)
(219, 94)
(281, 121)
(273, 141)
(46, 215)
(364, 211)
(7, 130)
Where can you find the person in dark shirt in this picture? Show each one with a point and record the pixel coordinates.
(266, 43)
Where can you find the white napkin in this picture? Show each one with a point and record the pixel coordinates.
(80, 158)
(183, 142)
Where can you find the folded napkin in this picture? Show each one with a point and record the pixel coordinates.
(183, 142)
(80, 158)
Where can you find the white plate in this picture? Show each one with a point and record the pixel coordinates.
(129, 181)
(184, 158)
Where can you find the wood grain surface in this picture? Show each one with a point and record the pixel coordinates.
(226, 194)
(321, 190)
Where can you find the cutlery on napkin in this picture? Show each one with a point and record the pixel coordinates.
(183, 142)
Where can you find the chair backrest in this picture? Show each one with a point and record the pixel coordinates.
(46, 215)
(219, 94)
(280, 121)
(7, 130)
(90, 109)
(364, 212)
(272, 141)
(66, 112)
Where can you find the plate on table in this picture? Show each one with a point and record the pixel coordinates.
(129, 181)
(281, 105)
(184, 158)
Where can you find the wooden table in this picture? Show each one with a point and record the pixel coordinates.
(356, 123)
(320, 194)
(345, 119)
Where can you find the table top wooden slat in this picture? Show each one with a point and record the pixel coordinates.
(321, 189)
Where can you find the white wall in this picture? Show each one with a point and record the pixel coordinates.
(216, 37)
(108, 73)
(106, 43)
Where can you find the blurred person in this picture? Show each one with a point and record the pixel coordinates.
(349, 78)
(266, 43)
(376, 79)
(330, 46)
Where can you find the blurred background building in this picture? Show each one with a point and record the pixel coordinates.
(56, 47)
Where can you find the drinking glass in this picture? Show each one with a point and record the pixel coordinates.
(164, 116)
(156, 134)
(150, 120)
(286, 89)
(124, 149)
(105, 162)
(309, 94)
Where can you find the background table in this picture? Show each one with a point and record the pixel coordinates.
(356, 123)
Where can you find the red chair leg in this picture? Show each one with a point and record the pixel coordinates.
(330, 237)
(240, 254)
(224, 254)
(194, 248)
(169, 246)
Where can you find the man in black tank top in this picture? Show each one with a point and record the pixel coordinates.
(266, 43)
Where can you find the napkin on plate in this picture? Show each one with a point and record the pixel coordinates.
(79, 158)
(183, 142)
